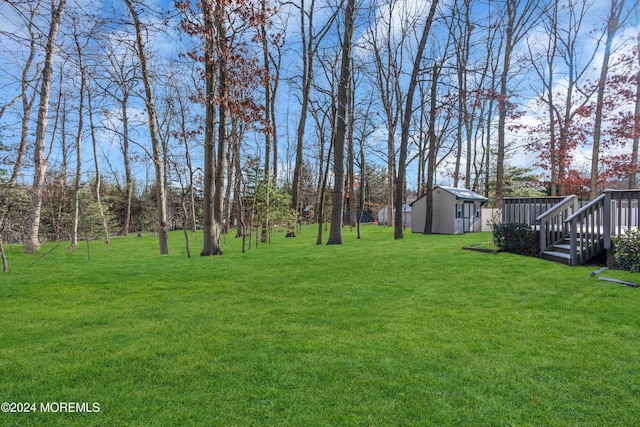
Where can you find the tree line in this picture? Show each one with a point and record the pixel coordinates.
(247, 114)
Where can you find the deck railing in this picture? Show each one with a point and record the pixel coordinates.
(622, 213)
(526, 210)
(592, 227)
(552, 223)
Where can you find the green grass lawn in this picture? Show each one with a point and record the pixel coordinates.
(376, 332)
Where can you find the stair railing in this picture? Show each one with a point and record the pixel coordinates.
(587, 230)
(552, 223)
(592, 227)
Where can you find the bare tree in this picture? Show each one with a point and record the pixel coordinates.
(311, 42)
(462, 27)
(158, 161)
(563, 23)
(406, 121)
(216, 86)
(335, 232)
(388, 45)
(120, 68)
(615, 21)
(520, 17)
(81, 95)
(27, 94)
(32, 243)
(98, 176)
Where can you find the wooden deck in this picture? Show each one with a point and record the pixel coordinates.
(572, 234)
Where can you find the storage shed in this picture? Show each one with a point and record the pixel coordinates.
(455, 211)
(406, 215)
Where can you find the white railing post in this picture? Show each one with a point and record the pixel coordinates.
(606, 219)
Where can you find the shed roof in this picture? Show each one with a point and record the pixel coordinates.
(460, 194)
(464, 194)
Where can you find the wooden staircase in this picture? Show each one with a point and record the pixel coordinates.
(558, 252)
(572, 235)
(561, 251)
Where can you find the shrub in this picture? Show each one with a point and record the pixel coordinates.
(627, 248)
(516, 238)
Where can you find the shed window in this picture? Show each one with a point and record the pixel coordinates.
(459, 209)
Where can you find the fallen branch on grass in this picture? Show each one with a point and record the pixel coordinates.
(44, 255)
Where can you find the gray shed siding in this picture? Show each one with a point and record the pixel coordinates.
(444, 213)
(418, 215)
(450, 215)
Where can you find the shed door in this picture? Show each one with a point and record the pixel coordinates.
(466, 215)
(469, 213)
(458, 224)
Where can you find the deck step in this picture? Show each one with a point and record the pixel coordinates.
(560, 257)
(558, 254)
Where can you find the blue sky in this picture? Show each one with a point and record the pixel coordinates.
(288, 107)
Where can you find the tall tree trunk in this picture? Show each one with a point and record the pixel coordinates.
(502, 125)
(636, 128)
(310, 41)
(387, 79)
(215, 167)
(98, 183)
(3, 256)
(274, 130)
(27, 102)
(521, 16)
(462, 40)
(406, 122)
(187, 155)
(234, 138)
(431, 156)
(223, 126)
(267, 90)
(76, 186)
(363, 180)
(211, 244)
(32, 243)
(238, 192)
(267, 135)
(335, 232)
(353, 199)
(353, 207)
(78, 175)
(323, 189)
(308, 54)
(153, 131)
(613, 24)
(128, 175)
(466, 116)
(61, 197)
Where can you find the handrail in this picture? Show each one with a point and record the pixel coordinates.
(569, 199)
(552, 222)
(592, 223)
(584, 208)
